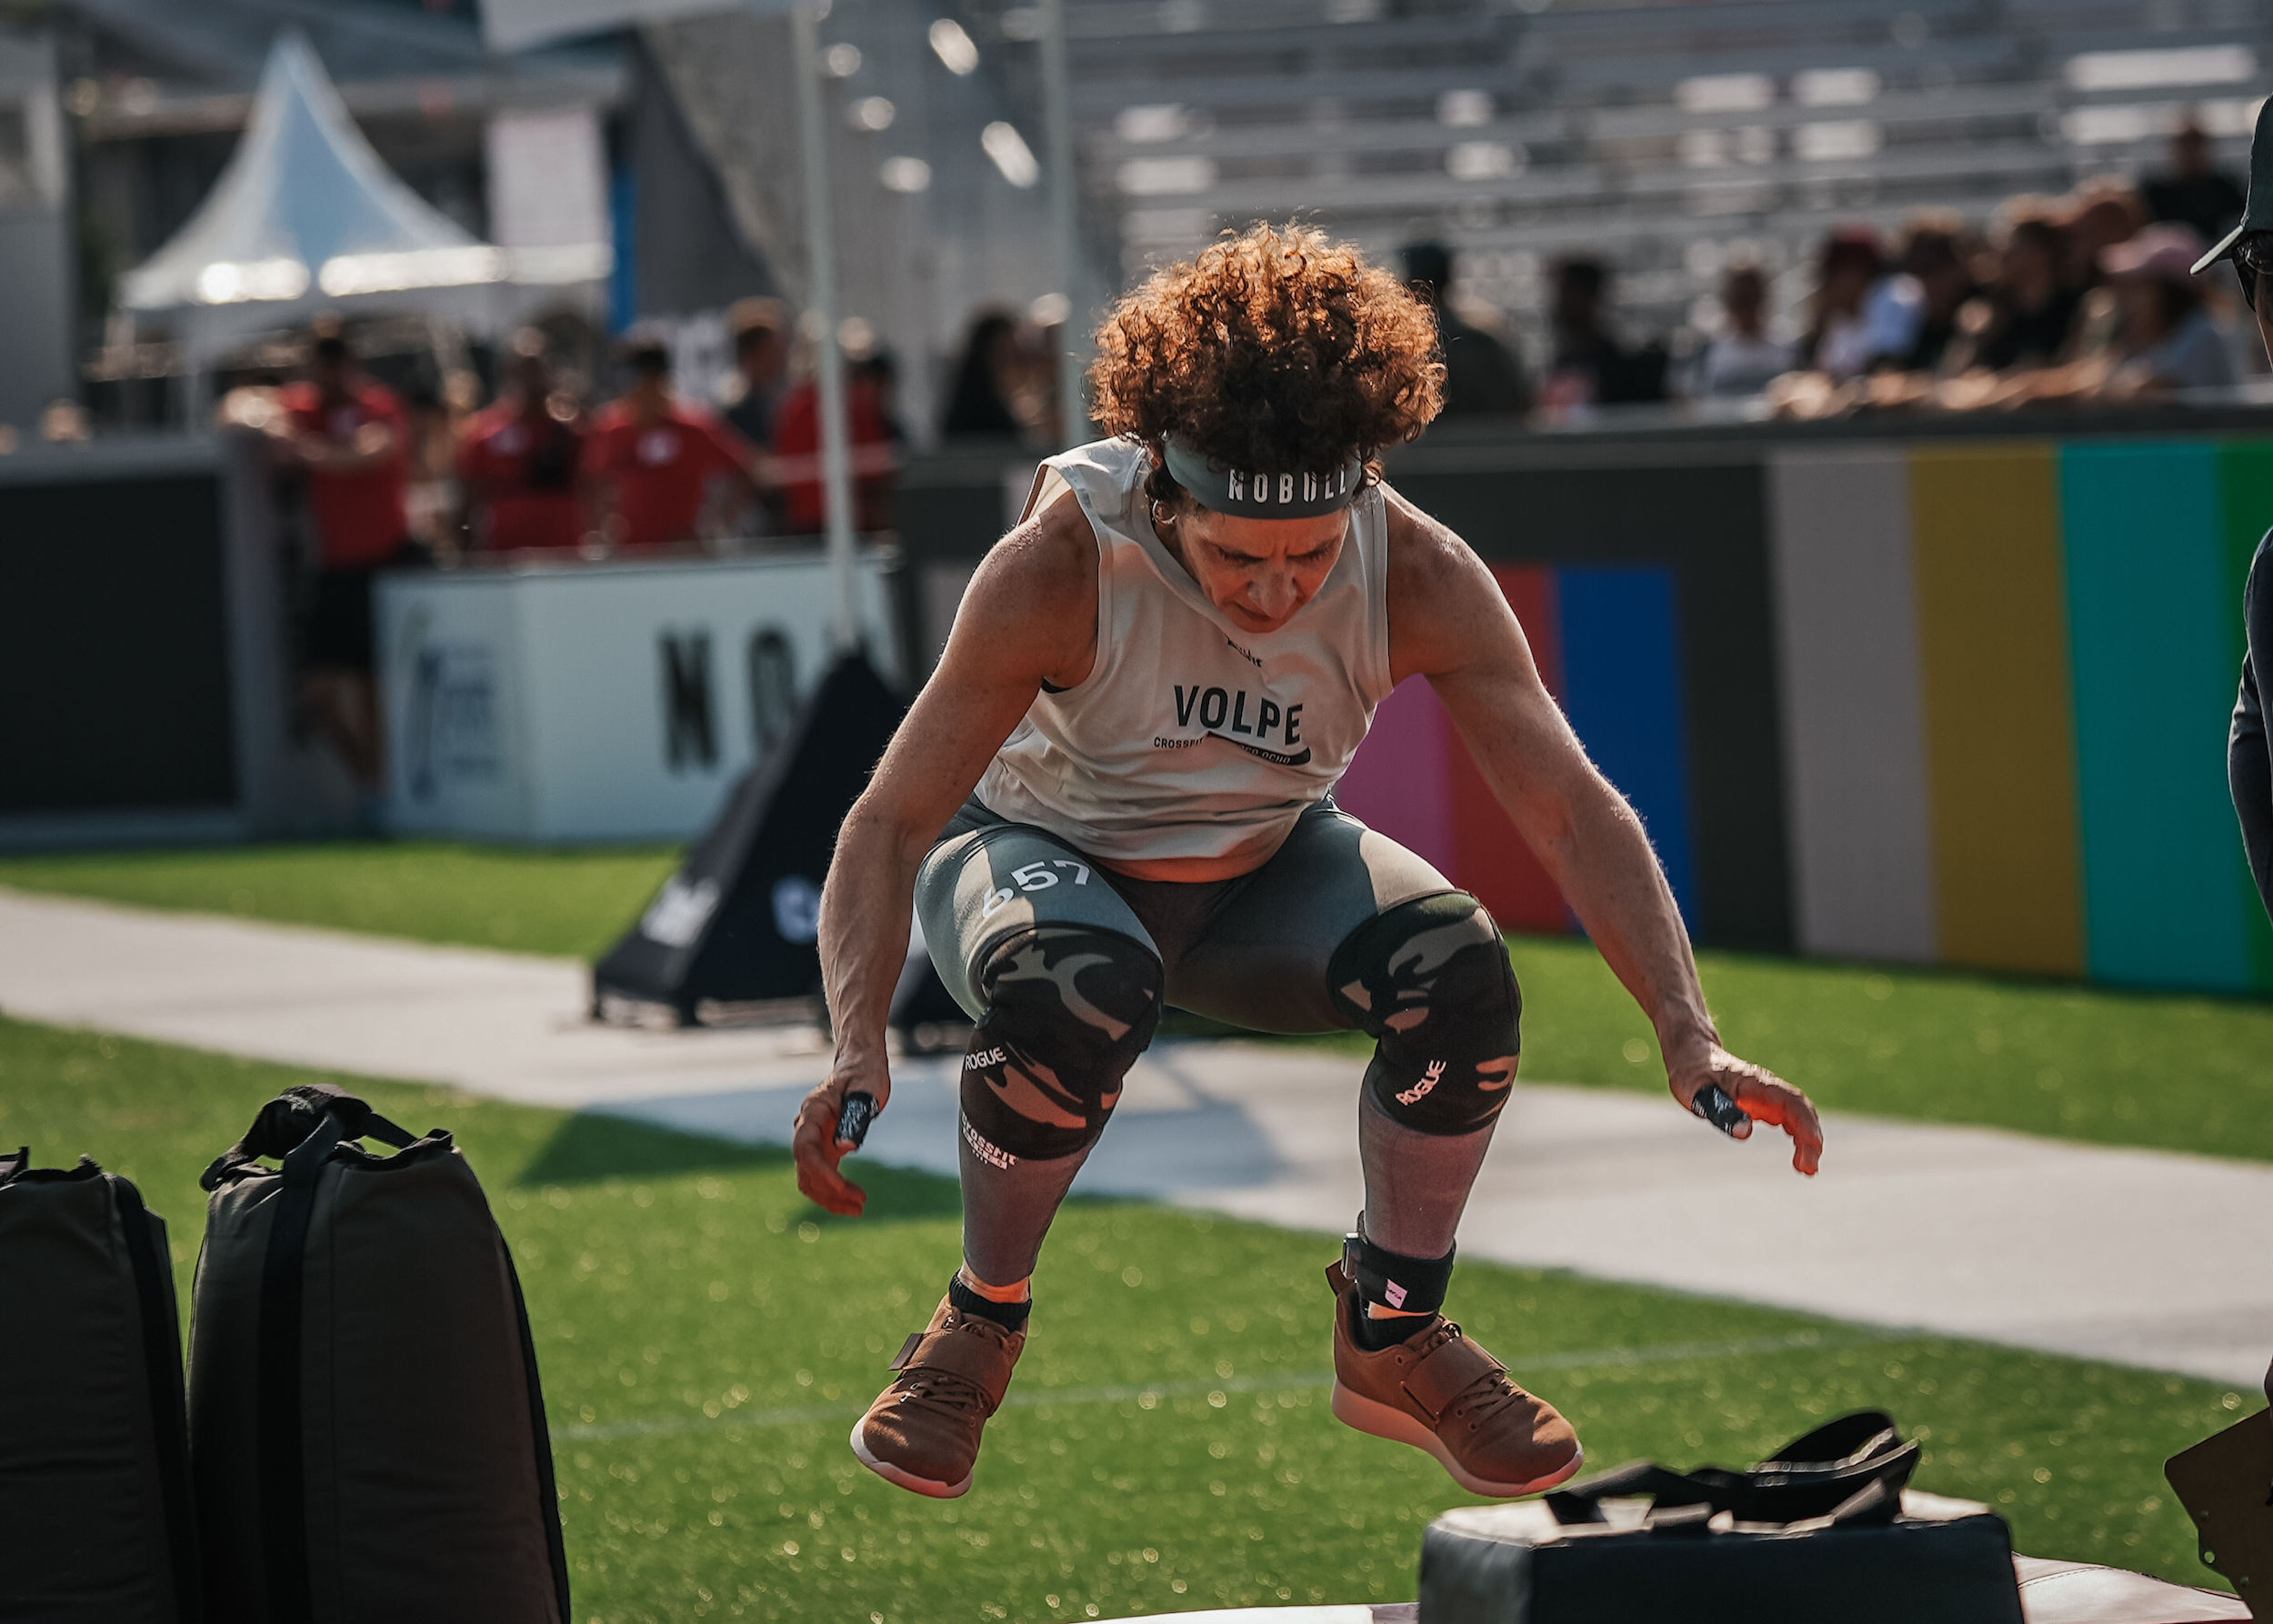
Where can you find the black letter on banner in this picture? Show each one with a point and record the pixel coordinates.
(1212, 705)
(773, 689)
(687, 732)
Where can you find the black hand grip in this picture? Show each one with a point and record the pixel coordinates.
(853, 1118)
(1712, 1103)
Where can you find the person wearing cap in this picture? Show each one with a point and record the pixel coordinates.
(2165, 337)
(2249, 763)
(1113, 794)
(653, 459)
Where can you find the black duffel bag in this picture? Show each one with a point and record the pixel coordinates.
(1814, 1536)
(95, 1521)
(366, 1431)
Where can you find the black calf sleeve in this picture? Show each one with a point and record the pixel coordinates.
(1429, 979)
(1069, 1007)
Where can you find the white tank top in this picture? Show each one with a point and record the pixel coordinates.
(1190, 737)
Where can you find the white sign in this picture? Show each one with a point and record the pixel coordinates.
(613, 701)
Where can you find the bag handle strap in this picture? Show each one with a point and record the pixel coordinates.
(288, 1122)
(1582, 1502)
(1809, 1478)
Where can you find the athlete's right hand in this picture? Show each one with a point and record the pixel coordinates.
(813, 1140)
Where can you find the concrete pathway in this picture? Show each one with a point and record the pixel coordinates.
(2145, 1258)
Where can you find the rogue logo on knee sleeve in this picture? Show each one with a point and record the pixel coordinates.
(1420, 1091)
(1429, 979)
(1069, 1007)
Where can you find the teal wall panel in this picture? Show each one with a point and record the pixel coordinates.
(2145, 557)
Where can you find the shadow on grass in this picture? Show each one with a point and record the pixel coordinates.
(591, 1146)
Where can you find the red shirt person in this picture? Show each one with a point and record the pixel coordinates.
(350, 432)
(797, 446)
(518, 461)
(351, 438)
(654, 458)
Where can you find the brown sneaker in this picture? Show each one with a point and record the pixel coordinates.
(922, 1432)
(1440, 1392)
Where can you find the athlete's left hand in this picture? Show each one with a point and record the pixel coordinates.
(1759, 1093)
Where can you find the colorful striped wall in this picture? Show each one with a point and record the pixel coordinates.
(1996, 715)
(2007, 668)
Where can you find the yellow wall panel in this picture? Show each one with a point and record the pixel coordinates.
(2001, 747)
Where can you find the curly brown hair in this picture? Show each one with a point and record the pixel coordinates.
(1277, 350)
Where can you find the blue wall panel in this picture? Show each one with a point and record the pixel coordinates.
(2154, 685)
(1622, 691)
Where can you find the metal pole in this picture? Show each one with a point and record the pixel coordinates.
(820, 235)
(1057, 140)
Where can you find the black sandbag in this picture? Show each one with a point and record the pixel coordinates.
(1722, 1546)
(366, 1429)
(95, 1521)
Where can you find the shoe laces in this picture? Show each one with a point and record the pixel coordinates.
(1491, 1392)
(950, 1390)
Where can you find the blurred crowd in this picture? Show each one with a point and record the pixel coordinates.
(2086, 297)
(373, 477)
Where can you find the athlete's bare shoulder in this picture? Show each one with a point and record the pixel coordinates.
(1035, 596)
(1444, 604)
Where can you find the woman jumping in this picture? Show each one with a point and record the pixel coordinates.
(1114, 794)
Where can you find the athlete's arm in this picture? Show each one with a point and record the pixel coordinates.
(1449, 622)
(1030, 615)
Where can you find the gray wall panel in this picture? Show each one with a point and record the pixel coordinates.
(1854, 738)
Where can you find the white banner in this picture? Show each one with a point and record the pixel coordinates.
(613, 701)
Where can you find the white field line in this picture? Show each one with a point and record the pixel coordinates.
(1664, 1353)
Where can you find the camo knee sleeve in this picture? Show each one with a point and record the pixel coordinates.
(1429, 979)
(1069, 1007)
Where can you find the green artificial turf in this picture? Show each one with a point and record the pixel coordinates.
(2068, 1061)
(522, 898)
(2163, 1070)
(707, 1338)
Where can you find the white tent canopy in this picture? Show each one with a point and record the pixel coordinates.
(308, 217)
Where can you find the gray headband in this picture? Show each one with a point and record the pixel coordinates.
(1258, 495)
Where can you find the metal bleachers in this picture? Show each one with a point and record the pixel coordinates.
(1665, 135)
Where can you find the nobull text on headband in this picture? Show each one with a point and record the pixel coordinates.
(1259, 494)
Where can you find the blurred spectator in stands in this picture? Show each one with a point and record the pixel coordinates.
(652, 461)
(1863, 316)
(2104, 211)
(438, 410)
(797, 450)
(350, 437)
(518, 462)
(879, 372)
(1934, 257)
(1591, 367)
(760, 331)
(63, 421)
(1482, 375)
(1742, 359)
(2195, 192)
(2031, 308)
(2165, 337)
(989, 379)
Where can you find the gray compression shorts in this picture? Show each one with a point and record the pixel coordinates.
(1252, 950)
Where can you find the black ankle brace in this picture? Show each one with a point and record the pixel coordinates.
(1011, 1317)
(1414, 1284)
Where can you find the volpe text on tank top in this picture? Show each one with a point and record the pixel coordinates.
(1256, 722)
(1191, 737)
